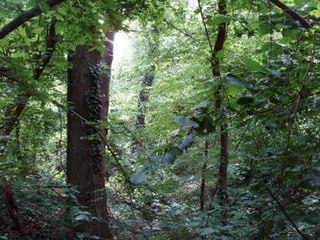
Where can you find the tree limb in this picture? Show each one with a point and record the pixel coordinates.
(24, 17)
(292, 13)
(113, 154)
(14, 110)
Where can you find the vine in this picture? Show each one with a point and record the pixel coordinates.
(93, 102)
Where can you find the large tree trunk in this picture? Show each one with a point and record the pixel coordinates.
(86, 165)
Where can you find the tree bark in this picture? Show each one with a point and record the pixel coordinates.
(215, 69)
(203, 177)
(86, 165)
(144, 96)
(215, 65)
(13, 210)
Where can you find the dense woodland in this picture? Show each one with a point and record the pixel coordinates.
(208, 127)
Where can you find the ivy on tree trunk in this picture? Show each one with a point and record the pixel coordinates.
(86, 165)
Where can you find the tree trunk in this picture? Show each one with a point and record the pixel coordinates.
(86, 165)
(215, 65)
(203, 177)
(153, 43)
(218, 94)
(144, 96)
(146, 84)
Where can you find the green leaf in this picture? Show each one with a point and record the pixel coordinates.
(316, 12)
(187, 142)
(4, 43)
(194, 224)
(290, 34)
(218, 19)
(31, 4)
(253, 65)
(139, 177)
(168, 158)
(82, 217)
(44, 7)
(206, 231)
(299, 3)
(185, 123)
(234, 81)
(202, 105)
(197, 11)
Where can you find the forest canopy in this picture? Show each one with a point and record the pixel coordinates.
(207, 126)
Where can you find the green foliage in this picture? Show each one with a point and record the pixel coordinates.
(269, 87)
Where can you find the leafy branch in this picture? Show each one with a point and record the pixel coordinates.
(292, 13)
(14, 110)
(25, 17)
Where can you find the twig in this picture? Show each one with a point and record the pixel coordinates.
(113, 154)
(300, 93)
(242, 137)
(179, 30)
(283, 210)
(203, 19)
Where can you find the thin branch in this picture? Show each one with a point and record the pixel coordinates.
(292, 13)
(178, 29)
(25, 17)
(283, 210)
(242, 137)
(300, 95)
(130, 202)
(113, 154)
(203, 19)
(115, 157)
(50, 48)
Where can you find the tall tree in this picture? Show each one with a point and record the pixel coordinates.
(147, 81)
(216, 73)
(88, 96)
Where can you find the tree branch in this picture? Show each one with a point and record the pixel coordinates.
(113, 154)
(283, 210)
(14, 110)
(203, 19)
(24, 17)
(292, 13)
(179, 30)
